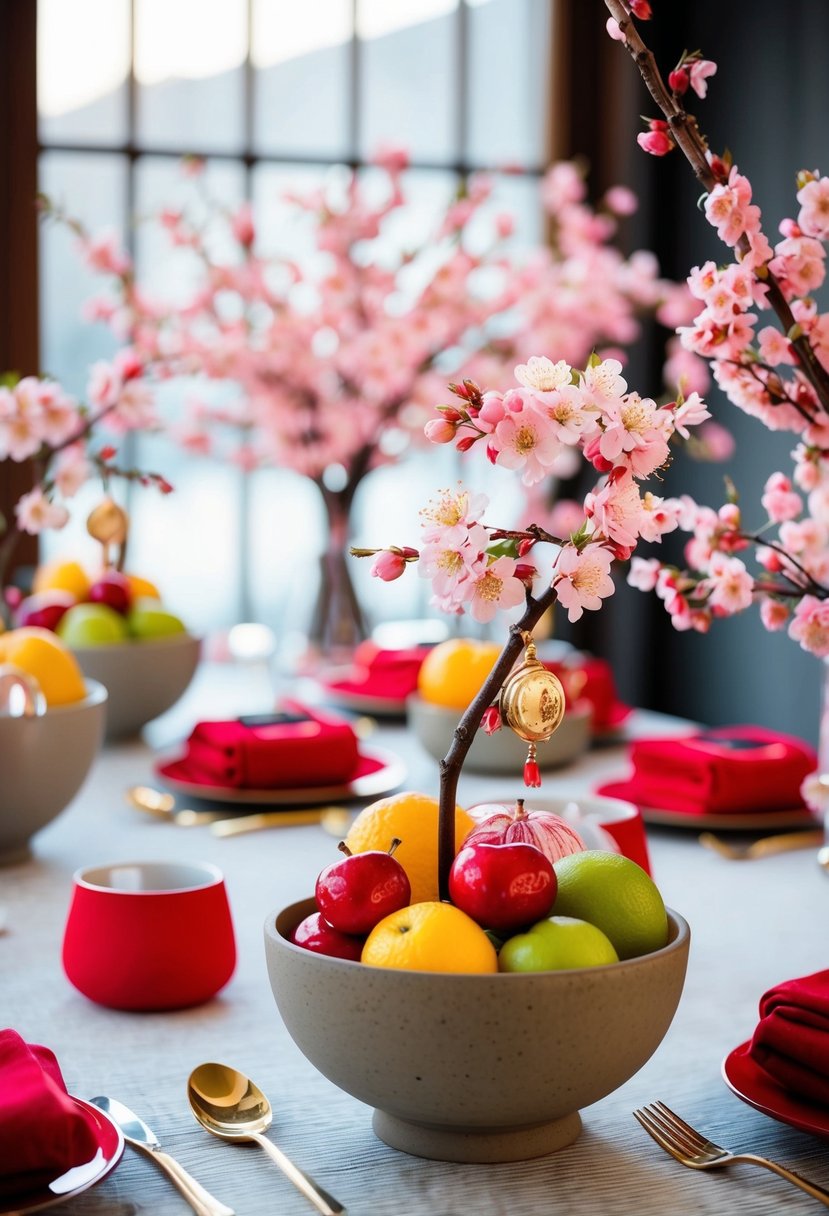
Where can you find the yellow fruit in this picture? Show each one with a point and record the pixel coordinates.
(430, 937)
(413, 819)
(617, 896)
(40, 653)
(62, 576)
(453, 673)
(142, 587)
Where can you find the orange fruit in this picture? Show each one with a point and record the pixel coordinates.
(453, 672)
(617, 896)
(430, 936)
(413, 819)
(62, 576)
(142, 587)
(42, 655)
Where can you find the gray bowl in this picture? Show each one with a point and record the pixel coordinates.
(45, 762)
(502, 752)
(474, 1067)
(143, 678)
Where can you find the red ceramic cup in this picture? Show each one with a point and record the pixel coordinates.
(149, 935)
(623, 821)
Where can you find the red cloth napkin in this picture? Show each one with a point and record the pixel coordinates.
(728, 770)
(43, 1133)
(791, 1042)
(316, 749)
(388, 675)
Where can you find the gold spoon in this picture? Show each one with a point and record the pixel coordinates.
(334, 819)
(766, 847)
(228, 1105)
(162, 806)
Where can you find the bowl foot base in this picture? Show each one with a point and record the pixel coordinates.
(477, 1144)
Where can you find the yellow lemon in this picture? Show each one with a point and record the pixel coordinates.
(413, 819)
(62, 576)
(453, 672)
(40, 653)
(430, 936)
(142, 588)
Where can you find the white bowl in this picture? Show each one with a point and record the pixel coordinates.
(143, 678)
(45, 761)
(502, 752)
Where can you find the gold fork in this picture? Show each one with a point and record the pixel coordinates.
(690, 1148)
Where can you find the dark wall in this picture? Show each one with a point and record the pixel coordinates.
(768, 104)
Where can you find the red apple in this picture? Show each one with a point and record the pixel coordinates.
(45, 609)
(356, 893)
(314, 933)
(112, 589)
(503, 886)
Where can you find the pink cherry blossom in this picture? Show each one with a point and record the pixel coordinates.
(582, 579)
(643, 573)
(699, 71)
(774, 615)
(810, 625)
(526, 441)
(35, 512)
(780, 501)
(494, 588)
(729, 584)
(814, 208)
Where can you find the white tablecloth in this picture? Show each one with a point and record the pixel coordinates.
(753, 924)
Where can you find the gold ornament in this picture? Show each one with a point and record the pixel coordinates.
(108, 524)
(532, 705)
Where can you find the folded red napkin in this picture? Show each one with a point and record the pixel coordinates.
(388, 675)
(297, 747)
(43, 1133)
(727, 770)
(791, 1042)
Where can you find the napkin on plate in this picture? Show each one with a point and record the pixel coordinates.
(791, 1041)
(722, 771)
(387, 675)
(43, 1133)
(297, 747)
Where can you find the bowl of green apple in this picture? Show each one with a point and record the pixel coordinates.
(121, 634)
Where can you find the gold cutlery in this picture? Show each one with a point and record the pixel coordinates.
(690, 1148)
(140, 1136)
(334, 819)
(767, 847)
(227, 1104)
(162, 806)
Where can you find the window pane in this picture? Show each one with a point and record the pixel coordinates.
(91, 188)
(81, 79)
(189, 58)
(301, 55)
(508, 125)
(400, 102)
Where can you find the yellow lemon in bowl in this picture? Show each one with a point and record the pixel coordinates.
(42, 655)
(453, 673)
(62, 576)
(413, 819)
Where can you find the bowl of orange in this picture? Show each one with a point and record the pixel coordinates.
(460, 1061)
(46, 756)
(450, 678)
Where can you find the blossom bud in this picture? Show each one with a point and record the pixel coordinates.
(591, 452)
(525, 572)
(243, 226)
(450, 413)
(525, 545)
(466, 442)
(491, 721)
(641, 9)
(657, 143)
(679, 80)
(107, 453)
(388, 565)
(492, 453)
(440, 430)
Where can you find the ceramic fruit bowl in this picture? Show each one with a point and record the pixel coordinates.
(45, 762)
(144, 677)
(502, 752)
(475, 1068)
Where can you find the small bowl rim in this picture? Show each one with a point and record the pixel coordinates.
(96, 694)
(676, 920)
(172, 639)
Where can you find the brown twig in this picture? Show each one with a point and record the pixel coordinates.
(686, 132)
(452, 763)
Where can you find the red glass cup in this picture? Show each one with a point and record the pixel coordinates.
(149, 935)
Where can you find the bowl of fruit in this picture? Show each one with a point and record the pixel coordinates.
(450, 677)
(476, 1027)
(121, 635)
(51, 727)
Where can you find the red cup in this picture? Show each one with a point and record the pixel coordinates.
(149, 935)
(625, 825)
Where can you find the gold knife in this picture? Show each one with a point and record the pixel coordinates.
(334, 819)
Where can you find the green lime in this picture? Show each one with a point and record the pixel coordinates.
(559, 943)
(615, 894)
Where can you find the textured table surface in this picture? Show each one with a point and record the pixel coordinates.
(753, 924)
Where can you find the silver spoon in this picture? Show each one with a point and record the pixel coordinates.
(228, 1105)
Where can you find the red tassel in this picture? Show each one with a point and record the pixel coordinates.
(532, 777)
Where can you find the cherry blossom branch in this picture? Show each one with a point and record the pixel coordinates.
(686, 133)
(452, 763)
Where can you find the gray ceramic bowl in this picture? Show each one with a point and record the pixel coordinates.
(502, 752)
(449, 1062)
(45, 762)
(143, 679)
